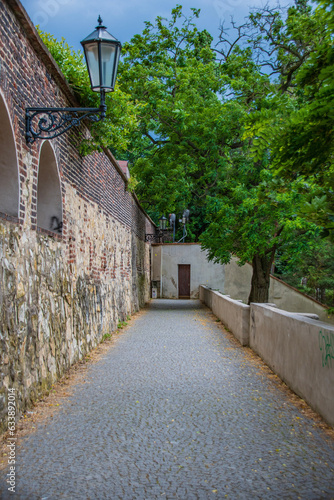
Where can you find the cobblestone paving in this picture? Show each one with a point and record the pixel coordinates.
(176, 410)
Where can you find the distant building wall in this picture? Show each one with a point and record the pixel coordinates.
(165, 261)
(238, 280)
(229, 279)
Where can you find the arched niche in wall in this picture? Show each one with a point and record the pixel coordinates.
(49, 199)
(9, 179)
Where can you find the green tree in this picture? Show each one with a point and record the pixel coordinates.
(255, 218)
(311, 271)
(171, 71)
(195, 111)
(298, 128)
(204, 128)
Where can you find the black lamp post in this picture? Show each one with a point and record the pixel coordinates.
(102, 52)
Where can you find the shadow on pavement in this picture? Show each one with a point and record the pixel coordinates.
(175, 304)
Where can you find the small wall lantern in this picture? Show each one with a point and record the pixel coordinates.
(102, 52)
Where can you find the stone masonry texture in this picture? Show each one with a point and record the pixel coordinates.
(60, 293)
(176, 409)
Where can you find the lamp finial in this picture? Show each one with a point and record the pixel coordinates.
(100, 21)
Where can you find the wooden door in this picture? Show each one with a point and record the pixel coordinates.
(184, 281)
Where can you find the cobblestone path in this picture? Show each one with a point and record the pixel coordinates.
(176, 410)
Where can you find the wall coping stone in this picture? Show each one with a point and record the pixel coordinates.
(302, 317)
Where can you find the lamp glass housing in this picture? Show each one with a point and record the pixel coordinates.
(102, 52)
(163, 223)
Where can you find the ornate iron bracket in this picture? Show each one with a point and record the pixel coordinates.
(154, 237)
(48, 123)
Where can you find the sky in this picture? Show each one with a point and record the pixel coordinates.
(75, 19)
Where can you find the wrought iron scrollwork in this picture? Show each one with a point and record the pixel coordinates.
(158, 236)
(153, 237)
(47, 123)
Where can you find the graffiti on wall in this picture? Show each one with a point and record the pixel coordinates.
(326, 345)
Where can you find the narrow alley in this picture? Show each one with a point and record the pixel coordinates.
(175, 409)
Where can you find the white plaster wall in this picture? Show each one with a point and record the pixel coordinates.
(238, 280)
(49, 200)
(291, 300)
(202, 272)
(238, 284)
(156, 262)
(229, 279)
(9, 184)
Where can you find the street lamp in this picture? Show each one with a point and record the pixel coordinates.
(163, 223)
(185, 216)
(155, 237)
(172, 220)
(102, 52)
(184, 221)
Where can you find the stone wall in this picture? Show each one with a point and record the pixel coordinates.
(62, 288)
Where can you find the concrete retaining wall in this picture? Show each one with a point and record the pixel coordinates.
(288, 298)
(237, 284)
(233, 313)
(205, 295)
(298, 349)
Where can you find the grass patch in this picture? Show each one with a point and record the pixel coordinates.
(106, 336)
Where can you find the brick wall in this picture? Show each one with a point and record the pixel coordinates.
(60, 291)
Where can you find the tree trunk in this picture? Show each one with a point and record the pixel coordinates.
(261, 278)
